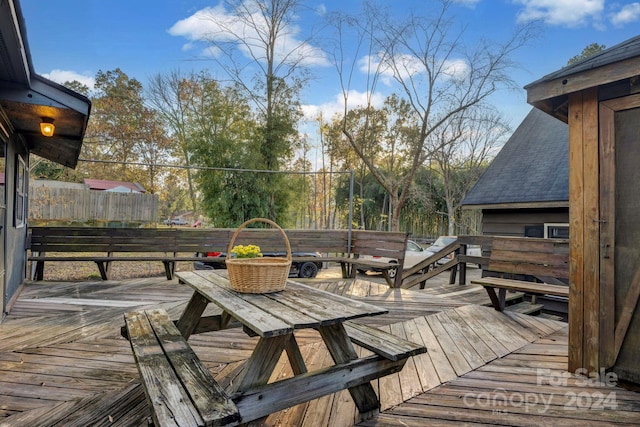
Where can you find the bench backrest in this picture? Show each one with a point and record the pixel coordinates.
(187, 240)
(270, 240)
(89, 239)
(380, 243)
(530, 256)
(192, 240)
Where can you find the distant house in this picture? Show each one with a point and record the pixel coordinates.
(117, 186)
(49, 183)
(36, 116)
(525, 190)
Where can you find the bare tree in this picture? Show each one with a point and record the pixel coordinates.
(172, 95)
(462, 149)
(431, 69)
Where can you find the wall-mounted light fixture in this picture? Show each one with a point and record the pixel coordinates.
(47, 127)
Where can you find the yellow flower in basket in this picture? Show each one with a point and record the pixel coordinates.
(246, 251)
(250, 272)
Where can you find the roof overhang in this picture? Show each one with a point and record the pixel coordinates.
(523, 205)
(26, 97)
(618, 63)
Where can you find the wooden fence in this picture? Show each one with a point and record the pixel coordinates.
(79, 205)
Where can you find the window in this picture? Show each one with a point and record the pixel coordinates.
(21, 193)
(556, 230)
(534, 231)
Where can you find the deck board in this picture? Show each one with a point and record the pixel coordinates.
(63, 359)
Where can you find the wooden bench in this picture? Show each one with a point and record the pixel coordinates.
(530, 265)
(121, 244)
(180, 390)
(169, 246)
(392, 245)
(382, 343)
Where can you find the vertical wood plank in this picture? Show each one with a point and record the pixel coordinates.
(607, 235)
(591, 239)
(576, 244)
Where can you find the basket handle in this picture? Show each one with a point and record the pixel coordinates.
(251, 221)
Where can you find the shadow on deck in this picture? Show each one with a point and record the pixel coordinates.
(63, 361)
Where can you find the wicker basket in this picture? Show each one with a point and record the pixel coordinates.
(258, 275)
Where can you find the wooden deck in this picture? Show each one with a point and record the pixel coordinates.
(62, 360)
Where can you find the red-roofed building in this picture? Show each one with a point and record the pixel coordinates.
(119, 186)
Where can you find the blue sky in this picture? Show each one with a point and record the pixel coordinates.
(73, 39)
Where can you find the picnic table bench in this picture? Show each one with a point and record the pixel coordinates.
(180, 390)
(533, 266)
(273, 318)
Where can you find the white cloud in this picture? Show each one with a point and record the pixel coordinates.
(409, 66)
(216, 25)
(354, 100)
(61, 76)
(456, 68)
(570, 13)
(629, 13)
(321, 10)
(468, 3)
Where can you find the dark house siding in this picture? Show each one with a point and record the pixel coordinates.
(514, 222)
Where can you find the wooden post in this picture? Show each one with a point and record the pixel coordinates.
(576, 238)
(591, 243)
(584, 293)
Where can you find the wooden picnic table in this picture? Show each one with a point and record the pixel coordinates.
(274, 317)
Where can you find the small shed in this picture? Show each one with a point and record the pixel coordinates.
(599, 99)
(525, 189)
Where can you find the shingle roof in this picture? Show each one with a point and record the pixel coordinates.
(616, 64)
(532, 167)
(627, 49)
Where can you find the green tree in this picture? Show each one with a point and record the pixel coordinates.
(588, 51)
(462, 149)
(77, 87)
(367, 124)
(223, 136)
(123, 134)
(258, 38)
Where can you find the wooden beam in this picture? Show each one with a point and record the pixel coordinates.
(591, 230)
(576, 238)
(582, 81)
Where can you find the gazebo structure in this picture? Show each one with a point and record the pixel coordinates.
(599, 98)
